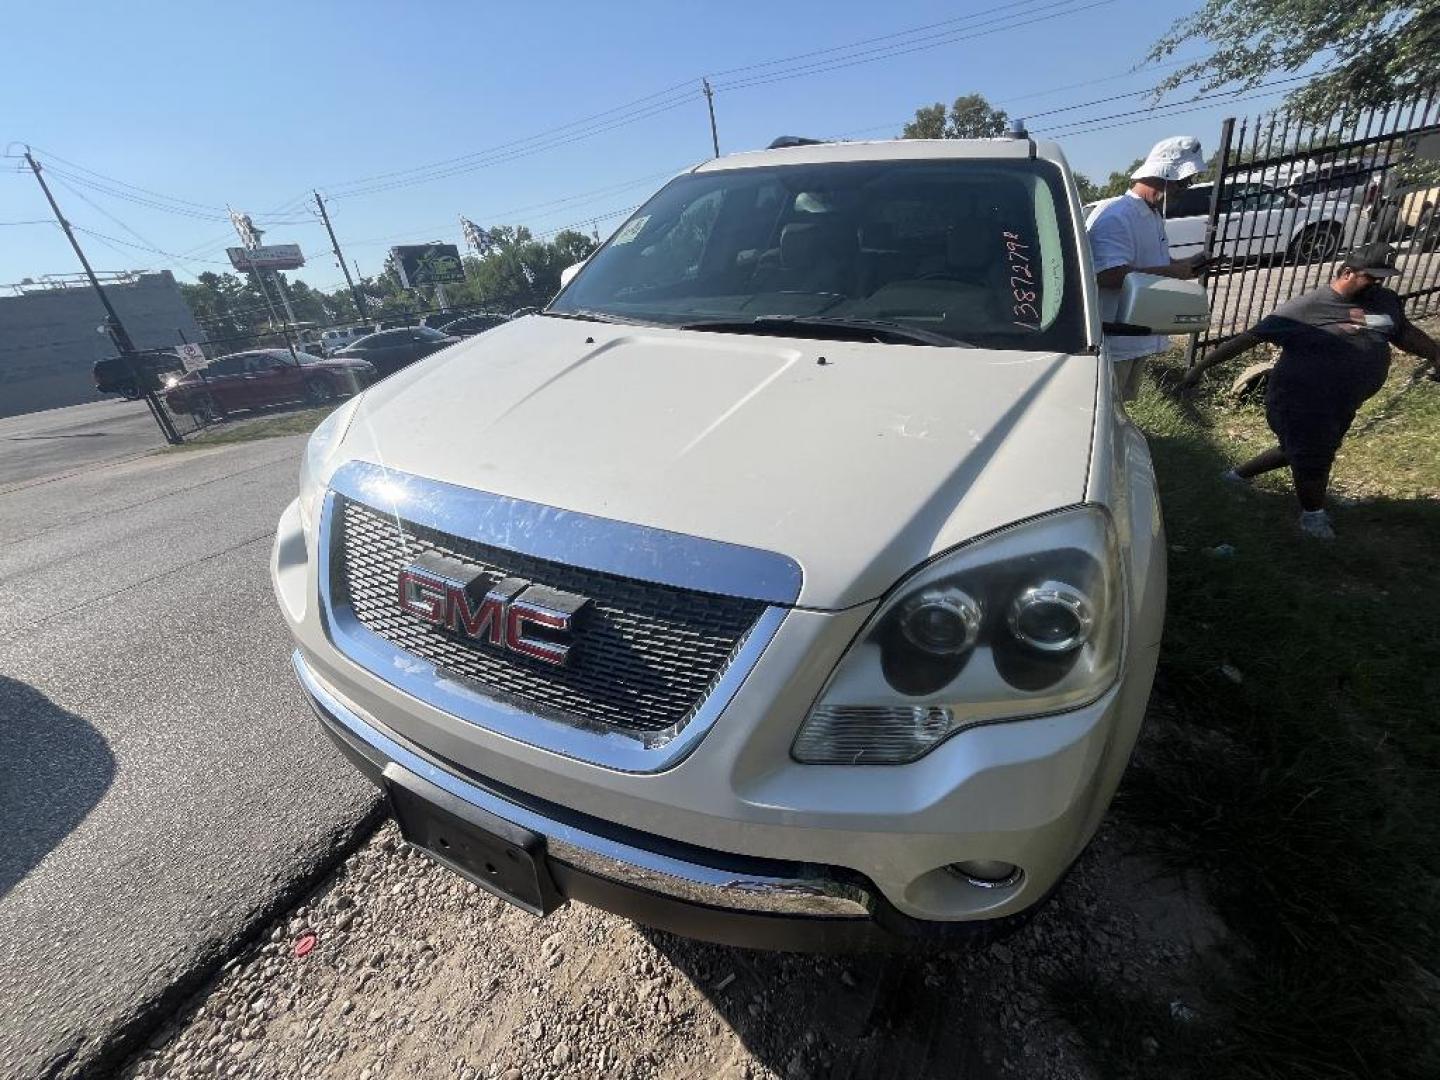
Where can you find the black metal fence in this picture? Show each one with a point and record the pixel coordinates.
(1291, 196)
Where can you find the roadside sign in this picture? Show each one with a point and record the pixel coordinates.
(191, 356)
(267, 257)
(427, 264)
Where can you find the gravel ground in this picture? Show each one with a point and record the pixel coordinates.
(396, 967)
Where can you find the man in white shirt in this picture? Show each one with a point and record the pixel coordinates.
(1128, 236)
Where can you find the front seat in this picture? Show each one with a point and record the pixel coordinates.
(814, 256)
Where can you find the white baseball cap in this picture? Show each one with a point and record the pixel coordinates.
(1175, 158)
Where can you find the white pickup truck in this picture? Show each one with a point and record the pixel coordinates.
(794, 579)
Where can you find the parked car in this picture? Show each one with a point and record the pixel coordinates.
(391, 350)
(1257, 222)
(794, 579)
(337, 338)
(470, 325)
(133, 377)
(264, 377)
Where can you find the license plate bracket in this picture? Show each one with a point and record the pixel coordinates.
(504, 859)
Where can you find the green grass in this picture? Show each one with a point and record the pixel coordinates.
(1309, 792)
(296, 422)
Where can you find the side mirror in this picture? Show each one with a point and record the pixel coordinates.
(568, 274)
(1150, 304)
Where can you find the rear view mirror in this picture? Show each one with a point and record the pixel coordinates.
(1150, 304)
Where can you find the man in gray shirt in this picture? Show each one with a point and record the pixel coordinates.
(1334, 355)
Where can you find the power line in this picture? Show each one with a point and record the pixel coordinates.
(100, 209)
(1044, 13)
(639, 104)
(515, 155)
(123, 183)
(782, 60)
(143, 247)
(666, 100)
(1175, 108)
(1010, 102)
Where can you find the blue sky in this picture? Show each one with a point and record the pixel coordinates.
(252, 106)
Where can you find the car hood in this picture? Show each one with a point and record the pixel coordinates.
(858, 461)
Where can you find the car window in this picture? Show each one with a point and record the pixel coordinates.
(227, 365)
(426, 333)
(1194, 202)
(1257, 199)
(981, 251)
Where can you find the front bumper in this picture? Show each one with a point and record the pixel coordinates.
(711, 896)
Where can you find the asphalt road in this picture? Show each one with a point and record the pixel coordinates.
(163, 789)
(42, 445)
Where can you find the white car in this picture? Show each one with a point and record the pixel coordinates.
(337, 338)
(1258, 222)
(793, 580)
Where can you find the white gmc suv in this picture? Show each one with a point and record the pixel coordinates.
(792, 580)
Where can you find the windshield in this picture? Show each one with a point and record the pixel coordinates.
(978, 251)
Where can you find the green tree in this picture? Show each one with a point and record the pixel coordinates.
(1119, 181)
(1376, 53)
(1088, 191)
(969, 117)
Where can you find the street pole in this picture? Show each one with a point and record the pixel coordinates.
(284, 296)
(710, 100)
(355, 293)
(117, 329)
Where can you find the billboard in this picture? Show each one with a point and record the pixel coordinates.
(267, 257)
(427, 264)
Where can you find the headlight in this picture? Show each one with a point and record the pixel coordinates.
(318, 463)
(1025, 622)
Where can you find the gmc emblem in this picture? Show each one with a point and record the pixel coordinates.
(512, 614)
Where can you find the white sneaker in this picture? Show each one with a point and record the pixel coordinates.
(1316, 525)
(1230, 476)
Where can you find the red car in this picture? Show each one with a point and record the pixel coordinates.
(253, 380)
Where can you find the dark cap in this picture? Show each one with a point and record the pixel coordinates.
(1377, 260)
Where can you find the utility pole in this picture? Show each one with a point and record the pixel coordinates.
(710, 100)
(355, 293)
(116, 328)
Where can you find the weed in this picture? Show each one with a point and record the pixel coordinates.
(1321, 832)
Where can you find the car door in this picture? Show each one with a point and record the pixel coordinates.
(424, 341)
(1255, 221)
(224, 383)
(279, 379)
(1187, 213)
(382, 350)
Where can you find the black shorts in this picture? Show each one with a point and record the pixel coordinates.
(1310, 437)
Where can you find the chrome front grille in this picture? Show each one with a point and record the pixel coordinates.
(645, 656)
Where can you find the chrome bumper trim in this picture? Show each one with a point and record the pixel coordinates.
(603, 857)
(606, 546)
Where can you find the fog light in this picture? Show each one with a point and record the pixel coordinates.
(986, 873)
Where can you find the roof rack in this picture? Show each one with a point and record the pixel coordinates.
(793, 140)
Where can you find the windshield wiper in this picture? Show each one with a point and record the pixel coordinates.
(588, 315)
(837, 326)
